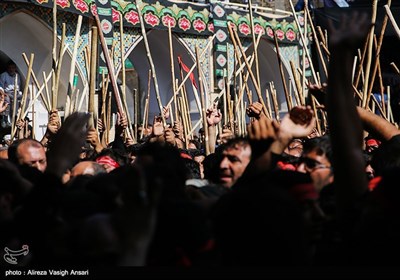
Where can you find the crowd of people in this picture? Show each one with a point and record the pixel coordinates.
(281, 196)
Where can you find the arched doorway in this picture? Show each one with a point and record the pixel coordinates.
(159, 47)
(23, 32)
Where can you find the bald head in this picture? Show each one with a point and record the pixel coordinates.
(30, 152)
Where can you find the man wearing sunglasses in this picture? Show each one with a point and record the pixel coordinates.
(316, 161)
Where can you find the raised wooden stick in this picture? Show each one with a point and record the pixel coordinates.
(129, 130)
(246, 76)
(378, 45)
(144, 124)
(278, 55)
(303, 57)
(369, 54)
(392, 20)
(210, 40)
(314, 33)
(59, 64)
(139, 5)
(14, 105)
(395, 68)
(203, 104)
(71, 85)
(303, 41)
(268, 101)
(316, 115)
(93, 71)
(33, 117)
(110, 66)
(185, 121)
(253, 35)
(171, 54)
(146, 105)
(46, 105)
(136, 115)
(54, 54)
(299, 89)
(389, 107)
(24, 93)
(236, 42)
(275, 101)
(321, 34)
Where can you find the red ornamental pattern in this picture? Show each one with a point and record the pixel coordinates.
(168, 20)
(81, 6)
(63, 3)
(115, 16)
(244, 28)
(258, 29)
(42, 1)
(280, 34)
(199, 25)
(151, 19)
(184, 23)
(290, 35)
(132, 17)
(93, 8)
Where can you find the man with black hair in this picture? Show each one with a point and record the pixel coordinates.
(235, 155)
(316, 161)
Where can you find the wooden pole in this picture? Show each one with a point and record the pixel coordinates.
(59, 64)
(33, 114)
(14, 105)
(108, 117)
(299, 89)
(392, 20)
(360, 71)
(110, 66)
(47, 90)
(268, 100)
(254, 42)
(278, 55)
(203, 105)
(171, 55)
(378, 45)
(71, 85)
(46, 105)
(314, 107)
(236, 42)
(303, 80)
(129, 131)
(144, 125)
(139, 5)
(275, 101)
(191, 70)
(54, 54)
(369, 54)
(314, 33)
(24, 93)
(303, 40)
(136, 115)
(93, 71)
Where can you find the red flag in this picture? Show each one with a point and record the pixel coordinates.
(186, 69)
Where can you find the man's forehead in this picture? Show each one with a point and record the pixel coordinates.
(315, 155)
(236, 149)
